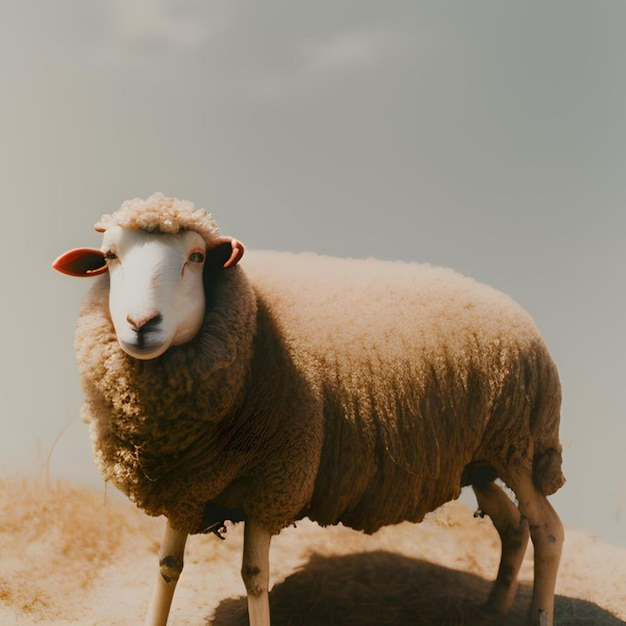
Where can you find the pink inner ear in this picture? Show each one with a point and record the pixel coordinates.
(237, 252)
(83, 262)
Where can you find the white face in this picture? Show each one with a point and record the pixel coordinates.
(156, 295)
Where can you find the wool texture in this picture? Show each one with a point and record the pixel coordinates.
(417, 372)
(159, 213)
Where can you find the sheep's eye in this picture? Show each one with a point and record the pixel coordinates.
(109, 255)
(196, 257)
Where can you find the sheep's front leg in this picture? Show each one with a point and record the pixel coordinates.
(170, 568)
(255, 572)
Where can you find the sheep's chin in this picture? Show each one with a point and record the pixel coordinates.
(143, 353)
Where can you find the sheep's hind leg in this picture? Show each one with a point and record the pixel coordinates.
(546, 532)
(170, 568)
(255, 572)
(513, 531)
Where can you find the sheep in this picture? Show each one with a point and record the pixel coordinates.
(348, 391)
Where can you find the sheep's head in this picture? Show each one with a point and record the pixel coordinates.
(156, 293)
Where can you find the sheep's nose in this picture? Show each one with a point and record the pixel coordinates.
(144, 323)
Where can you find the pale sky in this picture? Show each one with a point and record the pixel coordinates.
(488, 136)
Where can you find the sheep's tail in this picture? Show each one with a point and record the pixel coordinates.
(547, 460)
(547, 474)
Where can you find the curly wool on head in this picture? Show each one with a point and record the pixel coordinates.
(158, 213)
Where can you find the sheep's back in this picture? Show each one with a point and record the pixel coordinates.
(363, 311)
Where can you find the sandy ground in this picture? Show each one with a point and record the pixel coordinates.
(69, 556)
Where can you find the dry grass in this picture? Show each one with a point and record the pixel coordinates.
(67, 557)
(54, 540)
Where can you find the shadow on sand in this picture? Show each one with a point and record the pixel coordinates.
(386, 589)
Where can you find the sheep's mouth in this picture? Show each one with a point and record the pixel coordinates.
(144, 346)
(144, 335)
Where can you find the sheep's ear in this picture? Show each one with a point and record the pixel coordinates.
(226, 253)
(83, 262)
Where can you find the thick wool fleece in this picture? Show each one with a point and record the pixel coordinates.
(159, 427)
(345, 390)
(416, 372)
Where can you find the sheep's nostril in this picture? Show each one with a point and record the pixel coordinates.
(145, 323)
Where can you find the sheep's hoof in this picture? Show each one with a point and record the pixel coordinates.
(492, 609)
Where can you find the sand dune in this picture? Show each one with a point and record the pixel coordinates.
(70, 557)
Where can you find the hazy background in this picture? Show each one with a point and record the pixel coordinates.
(488, 135)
